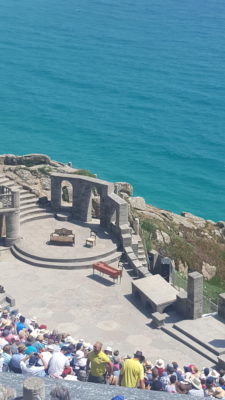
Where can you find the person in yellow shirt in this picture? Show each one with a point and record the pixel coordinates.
(132, 372)
(100, 364)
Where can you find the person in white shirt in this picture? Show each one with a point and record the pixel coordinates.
(32, 369)
(47, 354)
(58, 362)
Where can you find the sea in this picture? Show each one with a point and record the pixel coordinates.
(133, 90)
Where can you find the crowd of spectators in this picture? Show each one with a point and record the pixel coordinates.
(32, 350)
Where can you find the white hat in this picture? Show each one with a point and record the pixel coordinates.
(34, 319)
(50, 347)
(196, 382)
(214, 374)
(188, 377)
(79, 354)
(108, 348)
(159, 363)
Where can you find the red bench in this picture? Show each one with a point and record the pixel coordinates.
(104, 268)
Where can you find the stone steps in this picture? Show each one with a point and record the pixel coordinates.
(201, 343)
(25, 195)
(192, 344)
(28, 206)
(33, 216)
(18, 248)
(64, 265)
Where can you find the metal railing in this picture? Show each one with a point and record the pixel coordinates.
(6, 200)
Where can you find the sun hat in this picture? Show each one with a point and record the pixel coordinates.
(188, 377)
(34, 319)
(159, 363)
(196, 382)
(108, 348)
(79, 354)
(214, 374)
(219, 393)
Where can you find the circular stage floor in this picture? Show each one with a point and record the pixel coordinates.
(35, 240)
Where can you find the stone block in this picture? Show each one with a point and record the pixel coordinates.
(158, 319)
(33, 389)
(10, 300)
(221, 305)
(181, 303)
(221, 361)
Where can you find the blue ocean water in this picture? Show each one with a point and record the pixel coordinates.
(132, 90)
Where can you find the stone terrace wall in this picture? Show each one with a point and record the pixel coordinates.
(89, 391)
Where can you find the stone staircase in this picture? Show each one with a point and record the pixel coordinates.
(29, 209)
(187, 339)
(139, 250)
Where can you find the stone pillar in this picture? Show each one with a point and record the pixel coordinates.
(12, 227)
(16, 199)
(221, 305)
(33, 389)
(136, 226)
(195, 295)
(56, 193)
(82, 201)
(123, 214)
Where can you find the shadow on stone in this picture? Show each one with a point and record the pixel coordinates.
(101, 279)
(137, 303)
(217, 343)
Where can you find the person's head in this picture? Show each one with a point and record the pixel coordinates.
(97, 347)
(33, 360)
(21, 348)
(173, 378)
(65, 350)
(116, 353)
(30, 340)
(221, 381)
(209, 382)
(59, 392)
(5, 333)
(155, 373)
(22, 319)
(139, 356)
(170, 368)
(175, 365)
(194, 369)
(108, 350)
(7, 349)
(222, 372)
(40, 338)
(206, 372)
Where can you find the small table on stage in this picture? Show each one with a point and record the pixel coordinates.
(104, 268)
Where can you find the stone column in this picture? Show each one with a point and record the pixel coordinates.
(137, 226)
(16, 199)
(33, 389)
(12, 227)
(56, 193)
(221, 305)
(195, 295)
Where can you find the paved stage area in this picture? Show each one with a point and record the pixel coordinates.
(36, 236)
(90, 308)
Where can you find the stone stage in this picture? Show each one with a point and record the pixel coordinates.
(35, 248)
